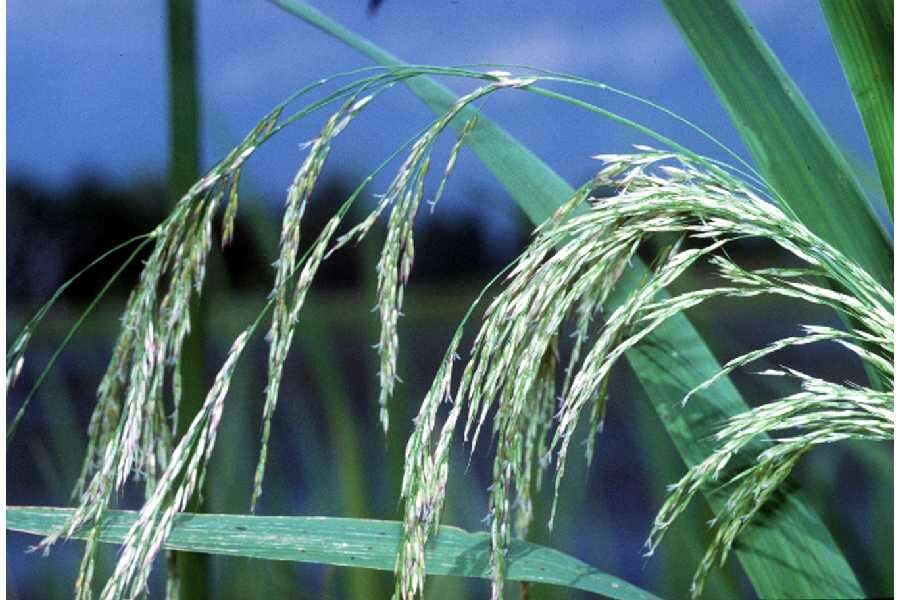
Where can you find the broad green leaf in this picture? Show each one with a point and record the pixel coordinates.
(787, 553)
(863, 34)
(791, 148)
(363, 543)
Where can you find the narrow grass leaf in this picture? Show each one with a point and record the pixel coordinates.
(362, 543)
(863, 35)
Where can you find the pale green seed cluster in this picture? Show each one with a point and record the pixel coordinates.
(289, 296)
(425, 478)
(396, 260)
(183, 475)
(394, 266)
(130, 432)
(567, 275)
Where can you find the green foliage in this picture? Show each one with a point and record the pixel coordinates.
(358, 543)
(863, 33)
(801, 163)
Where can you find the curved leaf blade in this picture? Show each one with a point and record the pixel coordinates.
(362, 543)
(789, 144)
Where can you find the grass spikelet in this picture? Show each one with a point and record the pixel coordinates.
(426, 469)
(451, 161)
(395, 263)
(286, 303)
(131, 431)
(821, 413)
(174, 489)
(404, 196)
(231, 209)
(425, 479)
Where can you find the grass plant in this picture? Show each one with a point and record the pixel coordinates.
(580, 276)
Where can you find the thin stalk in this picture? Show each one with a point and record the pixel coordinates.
(188, 571)
(17, 348)
(11, 431)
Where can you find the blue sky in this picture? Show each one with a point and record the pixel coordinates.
(87, 84)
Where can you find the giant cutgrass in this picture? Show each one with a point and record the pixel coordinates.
(566, 276)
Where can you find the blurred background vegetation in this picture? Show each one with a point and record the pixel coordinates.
(328, 455)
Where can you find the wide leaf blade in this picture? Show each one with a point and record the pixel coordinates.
(788, 143)
(789, 552)
(363, 543)
(863, 34)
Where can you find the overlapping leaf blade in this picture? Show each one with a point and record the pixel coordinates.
(790, 552)
(788, 143)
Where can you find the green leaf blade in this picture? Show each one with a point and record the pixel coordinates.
(863, 34)
(362, 543)
(785, 138)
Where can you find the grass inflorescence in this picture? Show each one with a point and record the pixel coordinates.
(565, 276)
(132, 428)
(561, 285)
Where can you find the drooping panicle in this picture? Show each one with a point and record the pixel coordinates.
(569, 272)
